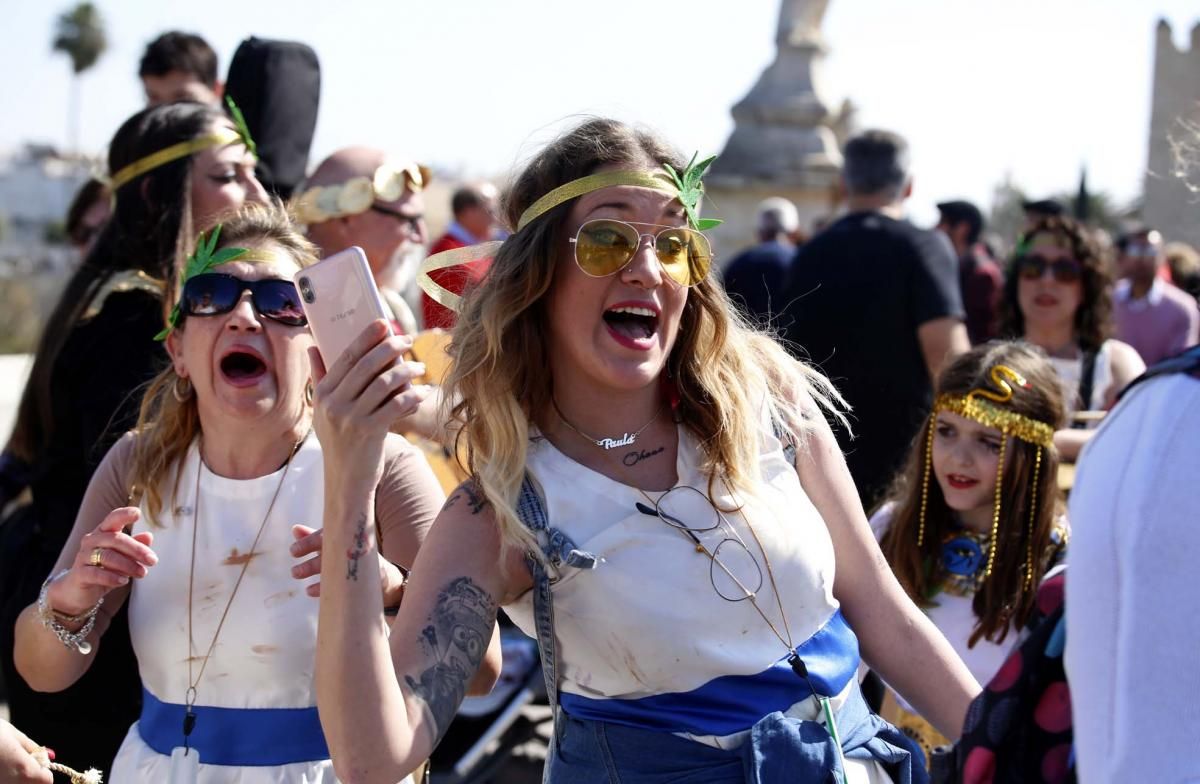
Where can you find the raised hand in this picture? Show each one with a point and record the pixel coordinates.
(108, 558)
(357, 399)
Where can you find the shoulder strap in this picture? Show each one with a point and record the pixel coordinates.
(1087, 384)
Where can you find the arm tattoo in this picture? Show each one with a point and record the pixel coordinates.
(460, 627)
(358, 549)
(470, 491)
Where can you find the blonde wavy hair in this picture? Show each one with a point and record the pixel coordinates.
(166, 425)
(500, 377)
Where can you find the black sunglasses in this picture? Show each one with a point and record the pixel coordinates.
(413, 222)
(214, 293)
(1033, 266)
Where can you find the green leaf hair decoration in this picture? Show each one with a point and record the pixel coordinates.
(239, 122)
(691, 189)
(200, 262)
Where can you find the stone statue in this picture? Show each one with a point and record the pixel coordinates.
(800, 22)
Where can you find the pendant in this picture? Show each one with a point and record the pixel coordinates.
(613, 443)
(84, 647)
(185, 765)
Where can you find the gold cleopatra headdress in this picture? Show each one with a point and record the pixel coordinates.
(219, 138)
(983, 406)
(356, 195)
(686, 185)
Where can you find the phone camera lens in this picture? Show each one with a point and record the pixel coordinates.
(306, 290)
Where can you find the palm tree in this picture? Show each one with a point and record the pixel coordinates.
(79, 33)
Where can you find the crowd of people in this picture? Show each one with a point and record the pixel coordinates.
(798, 517)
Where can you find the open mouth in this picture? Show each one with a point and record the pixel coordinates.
(1045, 300)
(632, 324)
(960, 482)
(242, 368)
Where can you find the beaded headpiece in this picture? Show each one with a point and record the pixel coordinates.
(985, 407)
(687, 186)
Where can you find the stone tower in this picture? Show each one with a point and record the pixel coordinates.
(1170, 206)
(785, 140)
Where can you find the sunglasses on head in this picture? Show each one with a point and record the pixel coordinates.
(214, 293)
(603, 247)
(1033, 266)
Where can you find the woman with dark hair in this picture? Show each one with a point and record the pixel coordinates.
(173, 169)
(655, 493)
(1057, 296)
(974, 521)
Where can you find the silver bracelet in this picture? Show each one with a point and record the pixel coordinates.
(50, 619)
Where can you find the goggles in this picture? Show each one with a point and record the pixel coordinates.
(357, 195)
(604, 247)
(1032, 267)
(215, 293)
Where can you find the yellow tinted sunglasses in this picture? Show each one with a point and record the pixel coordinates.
(604, 246)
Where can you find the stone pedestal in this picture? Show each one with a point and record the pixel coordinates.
(784, 141)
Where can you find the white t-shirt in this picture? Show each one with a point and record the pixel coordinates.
(1133, 597)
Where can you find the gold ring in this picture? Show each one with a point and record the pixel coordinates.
(97, 554)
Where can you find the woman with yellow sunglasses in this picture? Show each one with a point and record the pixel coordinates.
(654, 494)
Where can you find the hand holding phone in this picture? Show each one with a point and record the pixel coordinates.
(340, 299)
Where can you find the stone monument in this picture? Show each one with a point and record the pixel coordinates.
(1171, 205)
(785, 140)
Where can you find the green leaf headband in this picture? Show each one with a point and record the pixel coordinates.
(203, 260)
(686, 186)
(219, 138)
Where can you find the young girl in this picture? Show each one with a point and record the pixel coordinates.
(974, 521)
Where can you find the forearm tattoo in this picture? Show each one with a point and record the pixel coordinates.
(460, 627)
(358, 549)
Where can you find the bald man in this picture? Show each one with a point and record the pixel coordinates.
(361, 196)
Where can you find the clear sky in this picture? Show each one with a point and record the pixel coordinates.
(981, 88)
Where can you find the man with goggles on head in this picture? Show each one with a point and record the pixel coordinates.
(360, 196)
(1152, 315)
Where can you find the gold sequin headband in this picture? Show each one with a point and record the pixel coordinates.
(975, 405)
(219, 138)
(321, 203)
(685, 186)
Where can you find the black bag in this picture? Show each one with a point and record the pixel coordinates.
(277, 85)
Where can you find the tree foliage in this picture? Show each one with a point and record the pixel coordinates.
(79, 33)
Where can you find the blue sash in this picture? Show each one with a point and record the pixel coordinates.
(247, 737)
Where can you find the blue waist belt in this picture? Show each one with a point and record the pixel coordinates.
(252, 737)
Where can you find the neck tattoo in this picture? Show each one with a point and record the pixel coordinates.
(627, 439)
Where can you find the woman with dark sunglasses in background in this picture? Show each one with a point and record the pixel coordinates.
(225, 466)
(173, 168)
(654, 493)
(1058, 296)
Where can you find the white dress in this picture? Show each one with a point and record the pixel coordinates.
(265, 655)
(645, 640)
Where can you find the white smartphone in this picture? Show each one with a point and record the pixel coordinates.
(340, 299)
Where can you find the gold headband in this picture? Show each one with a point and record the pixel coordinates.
(220, 138)
(667, 181)
(975, 405)
(356, 195)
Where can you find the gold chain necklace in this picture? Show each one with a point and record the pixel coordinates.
(189, 718)
(608, 443)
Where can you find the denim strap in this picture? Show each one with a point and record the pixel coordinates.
(559, 551)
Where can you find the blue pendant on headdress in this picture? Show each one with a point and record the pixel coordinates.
(962, 556)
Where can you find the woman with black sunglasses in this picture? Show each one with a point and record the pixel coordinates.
(225, 467)
(173, 168)
(1058, 296)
